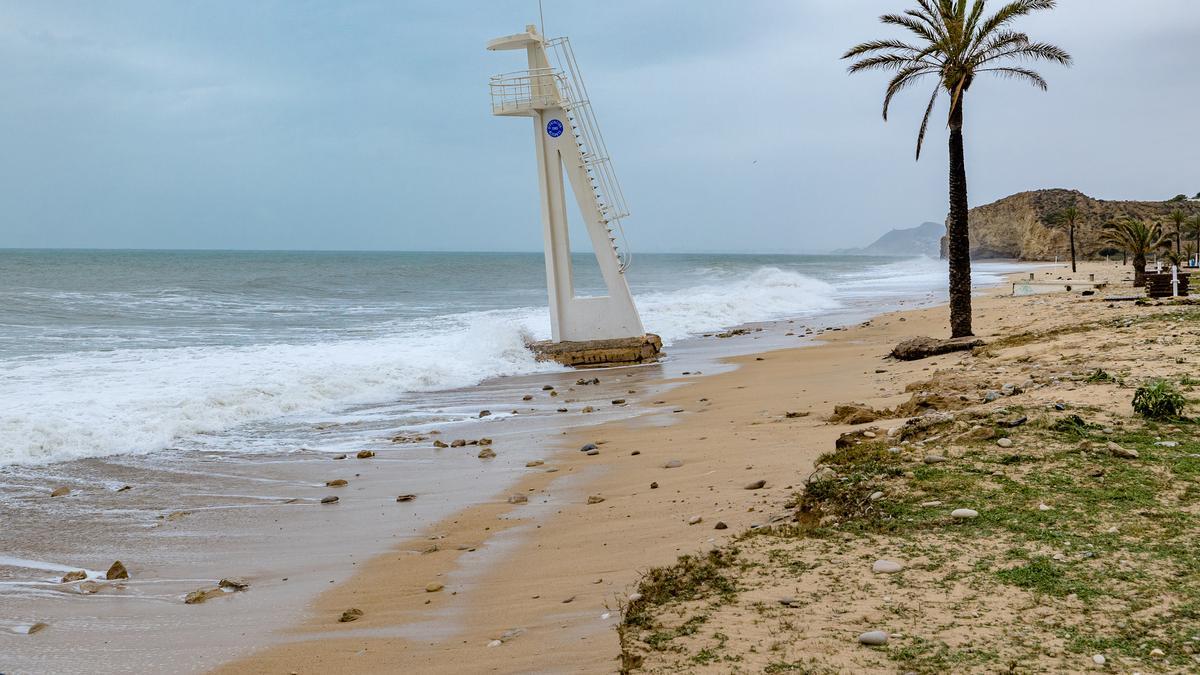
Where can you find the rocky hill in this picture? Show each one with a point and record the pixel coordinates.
(1016, 226)
(923, 239)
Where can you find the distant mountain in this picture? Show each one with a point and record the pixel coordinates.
(924, 239)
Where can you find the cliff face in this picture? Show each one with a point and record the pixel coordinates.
(1016, 226)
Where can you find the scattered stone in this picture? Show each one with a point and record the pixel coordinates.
(569, 600)
(1044, 507)
(875, 496)
(720, 525)
(589, 446)
(484, 413)
(485, 441)
(337, 482)
(756, 485)
(527, 397)
(236, 583)
(587, 409)
(595, 499)
(854, 413)
(458, 443)
(548, 387)
(822, 474)
(931, 504)
(695, 520)
(117, 571)
(124, 488)
(788, 602)
(1013, 423)
(1157, 653)
(405, 498)
(487, 453)
(593, 453)
(794, 415)
(924, 347)
(934, 459)
(532, 463)
(991, 395)
(90, 587)
(202, 595)
(873, 638)
(634, 597)
(1118, 451)
(618, 401)
(494, 643)
(887, 567)
(1004, 442)
(654, 485)
(365, 454)
(518, 499)
(1099, 659)
(61, 491)
(964, 514)
(342, 456)
(673, 464)
(433, 587)
(329, 500)
(77, 575)
(37, 628)
(352, 614)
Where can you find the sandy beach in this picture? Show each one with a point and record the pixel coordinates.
(679, 479)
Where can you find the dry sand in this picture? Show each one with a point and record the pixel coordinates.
(546, 578)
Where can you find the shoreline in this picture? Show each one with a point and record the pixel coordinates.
(525, 611)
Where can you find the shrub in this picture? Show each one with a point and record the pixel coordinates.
(1158, 400)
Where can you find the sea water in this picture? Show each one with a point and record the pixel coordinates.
(121, 352)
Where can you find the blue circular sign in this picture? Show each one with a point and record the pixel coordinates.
(554, 128)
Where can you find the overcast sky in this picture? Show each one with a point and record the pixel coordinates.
(366, 124)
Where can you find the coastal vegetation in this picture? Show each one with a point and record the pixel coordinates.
(954, 43)
(1066, 220)
(1139, 238)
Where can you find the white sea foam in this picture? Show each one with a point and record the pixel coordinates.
(91, 404)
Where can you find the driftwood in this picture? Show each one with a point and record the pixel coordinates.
(924, 347)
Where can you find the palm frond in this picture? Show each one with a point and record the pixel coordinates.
(925, 121)
(903, 80)
(1018, 73)
(878, 46)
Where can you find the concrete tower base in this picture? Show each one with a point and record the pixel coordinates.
(600, 353)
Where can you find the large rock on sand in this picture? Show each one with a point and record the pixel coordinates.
(117, 571)
(854, 413)
(924, 347)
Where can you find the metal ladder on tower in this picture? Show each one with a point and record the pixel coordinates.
(606, 190)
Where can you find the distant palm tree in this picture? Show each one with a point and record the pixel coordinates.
(955, 42)
(1139, 239)
(1194, 231)
(1067, 219)
(1178, 217)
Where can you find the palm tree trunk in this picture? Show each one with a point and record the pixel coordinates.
(1139, 270)
(957, 231)
(1071, 235)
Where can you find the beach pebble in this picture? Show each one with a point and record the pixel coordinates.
(592, 453)
(695, 520)
(654, 485)
(875, 496)
(337, 482)
(405, 498)
(485, 441)
(964, 514)
(202, 595)
(352, 614)
(587, 447)
(484, 413)
(433, 587)
(329, 500)
(720, 525)
(868, 434)
(788, 601)
(1005, 442)
(116, 571)
(533, 463)
(673, 464)
(441, 444)
(89, 587)
(934, 459)
(548, 387)
(756, 485)
(1099, 659)
(487, 453)
(1045, 507)
(527, 397)
(341, 456)
(518, 499)
(873, 638)
(77, 575)
(236, 583)
(458, 443)
(569, 600)
(1119, 451)
(365, 454)
(37, 627)
(587, 409)
(495, 643)
(1157, 653)
(618, 401)
(61, 491)
(595, 499)
(886, 567)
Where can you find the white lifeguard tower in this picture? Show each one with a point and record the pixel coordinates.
(599, 330)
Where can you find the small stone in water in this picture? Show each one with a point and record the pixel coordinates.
(329, 500)
(487, 453)
(405, 498)
(338, 482)
(365, 454)
(518, 499)
(117, 571)
(62, 491)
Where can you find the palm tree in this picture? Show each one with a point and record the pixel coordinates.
(1194, 230)
(955, 42)
(1178, 218)
(1139, 239)
(1067, 219)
